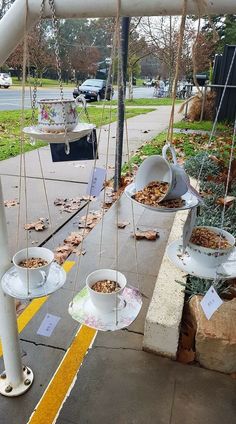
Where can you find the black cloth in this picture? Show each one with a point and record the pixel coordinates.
(84, 149)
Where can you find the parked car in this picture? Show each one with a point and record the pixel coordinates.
(94, 89)
(5, 80)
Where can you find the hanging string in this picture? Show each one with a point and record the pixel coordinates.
(180, 47)
(94, 166)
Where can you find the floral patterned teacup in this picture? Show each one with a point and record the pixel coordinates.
(57, 115)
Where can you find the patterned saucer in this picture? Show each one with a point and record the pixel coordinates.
(190, 201)
(80, 131)
(12, 285)
(184, 261)
(82, 310)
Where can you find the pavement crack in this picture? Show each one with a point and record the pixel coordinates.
(117, 348)
(132, 331)
(43, 344)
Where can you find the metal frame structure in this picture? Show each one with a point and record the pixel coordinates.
(19, 19)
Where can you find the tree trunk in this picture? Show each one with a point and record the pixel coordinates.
(131, 93)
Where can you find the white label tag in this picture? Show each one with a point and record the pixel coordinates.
(188, 227)
(48, 325)
(211, 302)
(96, 181)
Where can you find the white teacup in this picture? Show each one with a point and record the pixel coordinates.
(106, 302)
(56, 115)
(33, 277)
(180, 180)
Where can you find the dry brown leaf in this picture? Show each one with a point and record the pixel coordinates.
(226, 201)
(62, 252)
(91, 220)
(74, 239)
(123, 224)
(233, 375)
(10, 203)
(148, 235)
(37, 225)
(186, 356)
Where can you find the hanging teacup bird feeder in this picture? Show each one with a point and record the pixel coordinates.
(162, 186)
(34, 274)
(106, 303)
(58, 121)
(210, 253)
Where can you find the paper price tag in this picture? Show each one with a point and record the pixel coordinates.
(48, 325)
(188, 227)
(211, 302)
(96, 181)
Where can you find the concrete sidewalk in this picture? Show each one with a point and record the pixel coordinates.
(118, 383)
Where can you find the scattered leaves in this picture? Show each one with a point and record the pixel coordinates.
(148, 235)
(39, 225)
(71, 205)
(10, 203)
(62, 252)
(226, 201)
(90, 220)
(122, 224)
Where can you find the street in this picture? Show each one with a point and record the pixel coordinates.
(10, 99)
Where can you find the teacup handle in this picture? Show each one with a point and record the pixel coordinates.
(81, 99)
(122, 303)
(44, 278)
(172, 150)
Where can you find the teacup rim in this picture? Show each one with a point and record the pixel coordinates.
(101, 293)
(209, 249)
(32, 247)
(56, 101)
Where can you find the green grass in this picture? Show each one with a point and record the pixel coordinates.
(46, 82)
(153, 147)
(144, 102)
(10, 123)
(187, 145)
(201, 126)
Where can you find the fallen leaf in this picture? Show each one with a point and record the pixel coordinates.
(74, 239)
(10, 203)
(90, 220)
(123, 224)
(226, 201)
(186, 356)
(233, 375)
(37, 225)
(148, 235)
(62, 252)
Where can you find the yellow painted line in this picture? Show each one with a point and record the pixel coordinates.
(34, 306)
(48, 407)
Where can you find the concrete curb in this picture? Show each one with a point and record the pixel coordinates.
(161, 333)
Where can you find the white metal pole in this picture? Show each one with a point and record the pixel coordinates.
(12, 25)
(16, 379)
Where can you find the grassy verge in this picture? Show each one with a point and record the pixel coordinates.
(46, 82)
(201, 126)
(10, 128)
(143, 102)
(187, 145)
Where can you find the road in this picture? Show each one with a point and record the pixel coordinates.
(10, 99)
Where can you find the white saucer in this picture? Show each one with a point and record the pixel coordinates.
(190, 201)
(225, 271)
(80, 131)
(12, 285)
(83, 311)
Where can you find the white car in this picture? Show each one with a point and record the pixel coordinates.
(5, 80)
